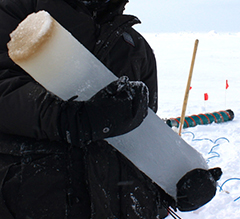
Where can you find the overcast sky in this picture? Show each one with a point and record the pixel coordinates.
(186, 15)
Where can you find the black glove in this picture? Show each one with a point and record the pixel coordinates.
(196, 188)
(114, 110)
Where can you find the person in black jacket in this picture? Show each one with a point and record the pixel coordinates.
(54, 160)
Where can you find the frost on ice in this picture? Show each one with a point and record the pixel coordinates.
(30, 35)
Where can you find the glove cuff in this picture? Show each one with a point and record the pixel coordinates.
(101, 126)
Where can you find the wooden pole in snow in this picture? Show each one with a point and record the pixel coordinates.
(188, 87)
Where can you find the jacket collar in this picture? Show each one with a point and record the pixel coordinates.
(110, 32)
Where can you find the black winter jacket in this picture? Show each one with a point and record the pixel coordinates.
(42, 176)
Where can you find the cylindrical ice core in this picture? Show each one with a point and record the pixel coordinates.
(54, 58)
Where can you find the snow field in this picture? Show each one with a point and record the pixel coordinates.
(217, 60)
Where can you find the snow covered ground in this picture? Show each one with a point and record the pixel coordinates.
(217, 60)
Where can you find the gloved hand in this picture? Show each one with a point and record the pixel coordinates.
(116, 109)
(196, 188)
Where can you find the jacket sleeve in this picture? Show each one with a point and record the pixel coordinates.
(149, 76)
(147, 68)
(137, 61)
(26, 108)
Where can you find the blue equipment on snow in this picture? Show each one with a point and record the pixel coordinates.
(202, 119)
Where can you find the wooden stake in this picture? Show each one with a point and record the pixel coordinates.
(185, 101)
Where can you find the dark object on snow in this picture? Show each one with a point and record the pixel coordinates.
(196, 188)
(202, 119)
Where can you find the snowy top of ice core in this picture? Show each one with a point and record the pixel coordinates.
(30, 35)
